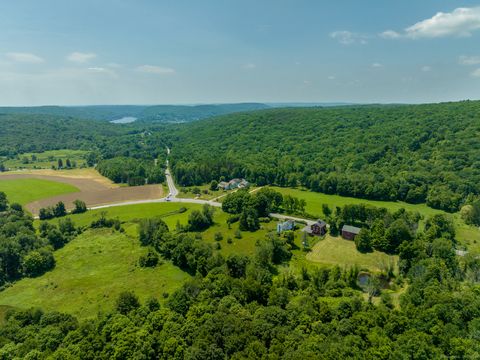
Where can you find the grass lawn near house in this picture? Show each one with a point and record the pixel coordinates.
(204, 193)
(338, 251)
(24, 191)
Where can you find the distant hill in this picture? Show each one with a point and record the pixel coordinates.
(157, 113)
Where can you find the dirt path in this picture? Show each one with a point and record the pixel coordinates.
(94, 190)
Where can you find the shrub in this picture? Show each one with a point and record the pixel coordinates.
(150, 259)
(126, 302)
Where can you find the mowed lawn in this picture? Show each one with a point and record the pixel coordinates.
(316, 200)
(90, 273)
(24, 191)
(341, 252)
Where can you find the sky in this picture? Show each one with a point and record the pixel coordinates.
(66, 52)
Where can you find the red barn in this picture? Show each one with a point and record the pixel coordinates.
(349, 232)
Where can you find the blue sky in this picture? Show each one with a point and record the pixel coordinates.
(159, 52)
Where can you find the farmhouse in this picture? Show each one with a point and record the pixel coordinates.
(349, 232)
(318, 228)
(285, 226)
(233, 184)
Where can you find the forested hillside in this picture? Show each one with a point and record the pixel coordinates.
(103, 141)
(414, 153)
(158, 113)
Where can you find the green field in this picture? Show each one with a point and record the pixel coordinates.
(468, 236)
(24, 191)
(338, 251)
(46, 160)
(130, 214)
(90, 273)
(315, 200)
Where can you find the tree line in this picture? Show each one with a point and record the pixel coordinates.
(23, 251)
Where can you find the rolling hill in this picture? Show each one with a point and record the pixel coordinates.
(158, 113)
(413, 153)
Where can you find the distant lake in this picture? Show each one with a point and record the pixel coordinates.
(124, 120)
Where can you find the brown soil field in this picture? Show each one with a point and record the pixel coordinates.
(87, 173)
(94, 189)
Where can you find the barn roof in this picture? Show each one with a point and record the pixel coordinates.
(351, 229)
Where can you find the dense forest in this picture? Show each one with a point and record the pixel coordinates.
(415, 153)
(23, 250)
(241, 307)
(157, 113)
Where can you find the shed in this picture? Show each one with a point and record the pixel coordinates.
(349, 232)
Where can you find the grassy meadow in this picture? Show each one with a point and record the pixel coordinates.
(89, 274)
(24, 191)
(341, 252)
(46, 160)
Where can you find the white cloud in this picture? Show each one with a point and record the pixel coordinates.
(469, 60)
(377, 65)
(249, 66)
(426, 68)
(476, 73)
(331, 77)
(79, 57)
(460, 22)
(24, 58)
(152, 69)
(390, 34)
(347, 37)
(102, 70)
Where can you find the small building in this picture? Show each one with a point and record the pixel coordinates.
(319, 228)
(222, 185)
(349, 232)
(233, 184)
(285, 226)
(243, 184)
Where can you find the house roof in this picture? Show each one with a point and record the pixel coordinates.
(321, 223)
(351, 229)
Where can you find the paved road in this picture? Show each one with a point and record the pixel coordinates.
(172, 197)
(173, 191)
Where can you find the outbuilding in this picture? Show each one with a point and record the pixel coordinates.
(349, 232)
